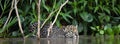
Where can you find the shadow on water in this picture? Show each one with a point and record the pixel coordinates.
(80, 40)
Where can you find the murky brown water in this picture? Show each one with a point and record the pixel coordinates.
(80, 40)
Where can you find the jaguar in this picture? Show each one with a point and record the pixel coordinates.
(69, 31)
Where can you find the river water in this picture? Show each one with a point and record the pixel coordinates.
(80, 40)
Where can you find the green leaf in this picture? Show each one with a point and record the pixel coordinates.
(30, 1)
(107, 19)
(10, 23)
(86, 17)
(20, 11)
(85, 3)
(96, 9)
(58, 23)
(115, 10)
(14, 33)
(98, 28)
(106, 10)
(74, 22)
(65, 17)
(1, 6)
(101, 32)
(68, 15)
(93, 28)
(75, 11)
(110, 31)
(96, 1)
(107, 26)
(33, 6)
(80, 27)
(118, 28)
(45, 6)
(54, 4)
(103, 17)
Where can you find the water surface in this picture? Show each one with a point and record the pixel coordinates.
(80, 40)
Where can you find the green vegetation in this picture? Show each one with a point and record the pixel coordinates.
(98, 17)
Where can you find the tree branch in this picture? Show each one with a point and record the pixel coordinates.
(56, 17)
(9, 15)
(38, 8)
(48, 17)
(19, 21)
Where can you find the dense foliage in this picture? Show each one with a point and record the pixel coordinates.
(93, 17)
